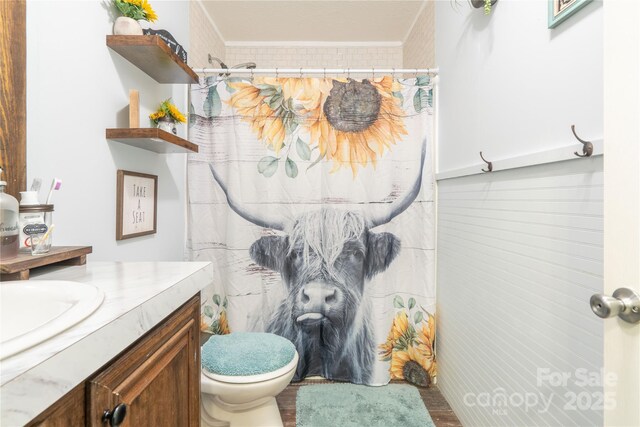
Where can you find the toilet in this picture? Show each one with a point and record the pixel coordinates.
(242, 373)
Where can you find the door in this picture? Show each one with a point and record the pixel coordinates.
(158, 379)
(622, 203)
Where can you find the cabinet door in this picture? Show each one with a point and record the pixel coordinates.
(158, 378)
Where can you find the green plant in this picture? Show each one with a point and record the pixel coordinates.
(167, 109)
(140, 10)
(485, 4)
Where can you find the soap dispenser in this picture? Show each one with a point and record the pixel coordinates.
(9, 230)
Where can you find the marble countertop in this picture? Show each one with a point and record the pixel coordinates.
(138, 295)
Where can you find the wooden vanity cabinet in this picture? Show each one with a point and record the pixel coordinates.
(157, 378)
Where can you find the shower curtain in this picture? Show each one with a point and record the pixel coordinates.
(313, 198)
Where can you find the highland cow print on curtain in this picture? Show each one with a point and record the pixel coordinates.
(314, 200)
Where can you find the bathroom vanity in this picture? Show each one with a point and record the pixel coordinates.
(137, 353)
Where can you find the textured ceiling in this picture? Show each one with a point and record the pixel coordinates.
(313, 20)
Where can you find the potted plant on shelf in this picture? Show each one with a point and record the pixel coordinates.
(486, 4)
(132, 11)
(166, 116)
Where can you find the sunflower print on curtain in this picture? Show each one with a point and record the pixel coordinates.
(313, 198)
(343, 121)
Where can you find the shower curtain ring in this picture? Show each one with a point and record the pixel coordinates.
(415, 74)
(277, 75)
(300, 72)
(252, 74)
(393, 73)
(373, 73)
(348, 73)
(324, 72)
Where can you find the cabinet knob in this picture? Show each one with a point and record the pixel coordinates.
(115, 416)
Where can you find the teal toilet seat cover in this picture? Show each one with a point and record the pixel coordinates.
(246, 353)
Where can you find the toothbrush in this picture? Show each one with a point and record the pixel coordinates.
(35, 186)
(55, 185)
(46, 235)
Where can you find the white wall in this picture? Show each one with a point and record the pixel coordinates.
(519, 251)
(314, 55)
(204, 37)
(76, 88)
(418, 49)
(510, 86)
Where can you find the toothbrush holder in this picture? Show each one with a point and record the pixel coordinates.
(35, 222)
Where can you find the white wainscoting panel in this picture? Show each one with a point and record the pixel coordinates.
(519, 254)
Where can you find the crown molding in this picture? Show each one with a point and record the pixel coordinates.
(296, 43)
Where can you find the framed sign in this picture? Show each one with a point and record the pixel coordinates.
(136, 204)
(560, 10)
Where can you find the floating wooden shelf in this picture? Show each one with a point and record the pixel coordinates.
(152, 139)
(153, 56)
(18, 268)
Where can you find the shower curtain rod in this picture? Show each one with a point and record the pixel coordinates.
(324, 71)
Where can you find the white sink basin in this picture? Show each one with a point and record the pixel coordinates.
(34, 311)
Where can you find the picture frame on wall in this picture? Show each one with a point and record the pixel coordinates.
(561, 10)
(136, 204)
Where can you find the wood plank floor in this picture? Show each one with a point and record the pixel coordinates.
(439, 409)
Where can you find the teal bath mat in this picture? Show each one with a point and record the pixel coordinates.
(350, 405)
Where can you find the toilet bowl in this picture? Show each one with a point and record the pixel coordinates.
(242, 373)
